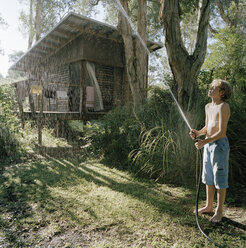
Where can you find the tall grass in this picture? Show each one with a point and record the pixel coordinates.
(166, 152)
(155, 145)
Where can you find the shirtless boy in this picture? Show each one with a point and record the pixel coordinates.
(216, 147)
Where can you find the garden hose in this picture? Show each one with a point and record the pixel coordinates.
(197, 199)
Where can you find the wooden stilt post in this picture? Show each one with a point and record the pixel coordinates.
(63, 128)
(40, 117)
(57, 127)
(83, 91)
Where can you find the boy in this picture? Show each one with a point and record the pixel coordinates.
(216, 147)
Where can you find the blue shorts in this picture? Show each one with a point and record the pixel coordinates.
(216, 163)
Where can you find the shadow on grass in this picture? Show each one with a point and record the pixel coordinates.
(234, 223)
(24, 185)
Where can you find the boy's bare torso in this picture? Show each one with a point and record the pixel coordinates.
(217, 115)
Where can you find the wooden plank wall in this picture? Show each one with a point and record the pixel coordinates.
(108, 58)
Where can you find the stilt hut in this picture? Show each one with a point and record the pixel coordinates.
(76, 71)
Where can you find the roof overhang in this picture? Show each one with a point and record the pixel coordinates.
(68, 29)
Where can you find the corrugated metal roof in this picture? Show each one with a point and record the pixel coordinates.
(69, 28)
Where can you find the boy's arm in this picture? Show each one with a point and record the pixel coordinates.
(202, 131)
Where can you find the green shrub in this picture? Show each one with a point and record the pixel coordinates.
(237, 137)
(115, 136)
(9, 124)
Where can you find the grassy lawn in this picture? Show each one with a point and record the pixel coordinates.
(55, 202)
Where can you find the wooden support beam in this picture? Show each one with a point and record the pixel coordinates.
(66, 34)
(57, 128)
(40, 118)
(54, 38)
(83, 111)
(38, 51)
(54, 116)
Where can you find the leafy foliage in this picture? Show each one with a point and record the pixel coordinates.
(227, 57)
(115, 136)
(9, 124)
(237, 137)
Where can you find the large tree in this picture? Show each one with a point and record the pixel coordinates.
(185, 67)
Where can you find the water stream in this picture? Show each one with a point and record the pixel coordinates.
(122, 10)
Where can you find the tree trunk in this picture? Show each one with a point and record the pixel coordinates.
(135, 57)
(38, 20)
(126, 32)
(185, 67)
(30, 38)
(141, 55)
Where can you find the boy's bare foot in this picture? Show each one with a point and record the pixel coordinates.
(216, 218)
(204, 210)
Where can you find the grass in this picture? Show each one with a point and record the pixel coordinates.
(65, 202)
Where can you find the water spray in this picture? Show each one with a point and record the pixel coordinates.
(122, 10)
(178, 106)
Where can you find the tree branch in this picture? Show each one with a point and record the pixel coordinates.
(223, 15)
(94, 2)
(202, 34)
(170, 16)
(211, 29)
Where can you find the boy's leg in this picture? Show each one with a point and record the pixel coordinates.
(220, 161)
(210, 191)
(221, 195)
(208, 179)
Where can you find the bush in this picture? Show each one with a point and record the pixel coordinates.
(115, 136)
(237, 137)
(9, 124)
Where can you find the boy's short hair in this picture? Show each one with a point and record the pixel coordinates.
(224, 86)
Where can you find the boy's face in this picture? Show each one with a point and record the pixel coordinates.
(214, 90)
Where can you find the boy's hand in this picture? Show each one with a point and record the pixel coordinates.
(193, 133)
(199, 144)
